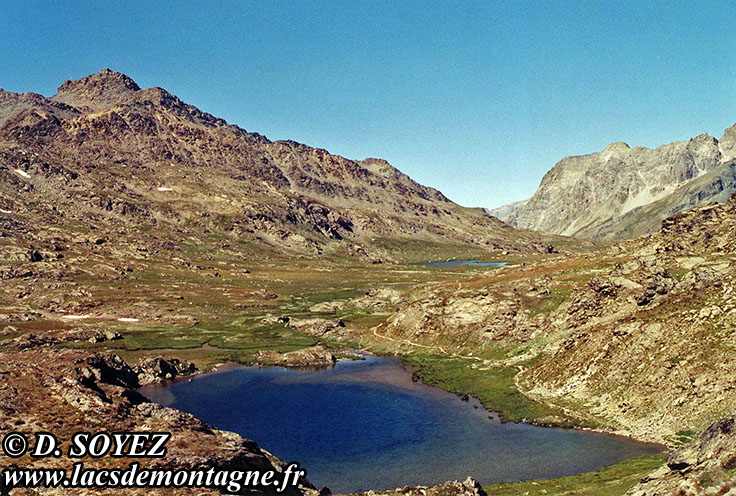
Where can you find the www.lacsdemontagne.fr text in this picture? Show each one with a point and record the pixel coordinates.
(118, 445)
(134, 476)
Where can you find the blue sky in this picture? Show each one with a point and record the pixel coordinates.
(478, 99)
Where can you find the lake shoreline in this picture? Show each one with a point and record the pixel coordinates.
(409, 375)
(225, 366)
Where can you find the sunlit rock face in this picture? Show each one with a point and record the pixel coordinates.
(623, 192)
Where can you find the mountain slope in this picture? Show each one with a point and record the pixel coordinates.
(635, 339)
(714, 186)
(107, 154)
(624, 192)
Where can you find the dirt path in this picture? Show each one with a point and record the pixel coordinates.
(412, 343)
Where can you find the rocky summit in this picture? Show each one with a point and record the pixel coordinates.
(624, 192)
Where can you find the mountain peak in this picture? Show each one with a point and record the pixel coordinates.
(104, 86)
(618, 150)
(618, 145)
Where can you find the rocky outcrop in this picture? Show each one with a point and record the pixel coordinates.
(705, 466)
(66, 391)
(152, 370)
(625, 192)
(104, 154)
(315, 356)
(375, 299)
(80, 334)
(700, 231)
(645, 343)
(318, 327)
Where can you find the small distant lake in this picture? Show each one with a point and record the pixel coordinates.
(366, 425)
(472, 263)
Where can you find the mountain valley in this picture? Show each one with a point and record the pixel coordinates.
(143, 239)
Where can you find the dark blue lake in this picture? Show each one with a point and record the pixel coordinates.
(366, 425)
(472, 263)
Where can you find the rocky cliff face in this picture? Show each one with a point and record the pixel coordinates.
(704, 466)
(624, 192)
(106, 155)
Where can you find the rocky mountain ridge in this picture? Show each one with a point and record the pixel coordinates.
(110, 156)
(624, 192)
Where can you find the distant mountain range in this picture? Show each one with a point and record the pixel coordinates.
(625, 192)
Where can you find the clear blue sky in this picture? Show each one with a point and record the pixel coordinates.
(476, 99)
